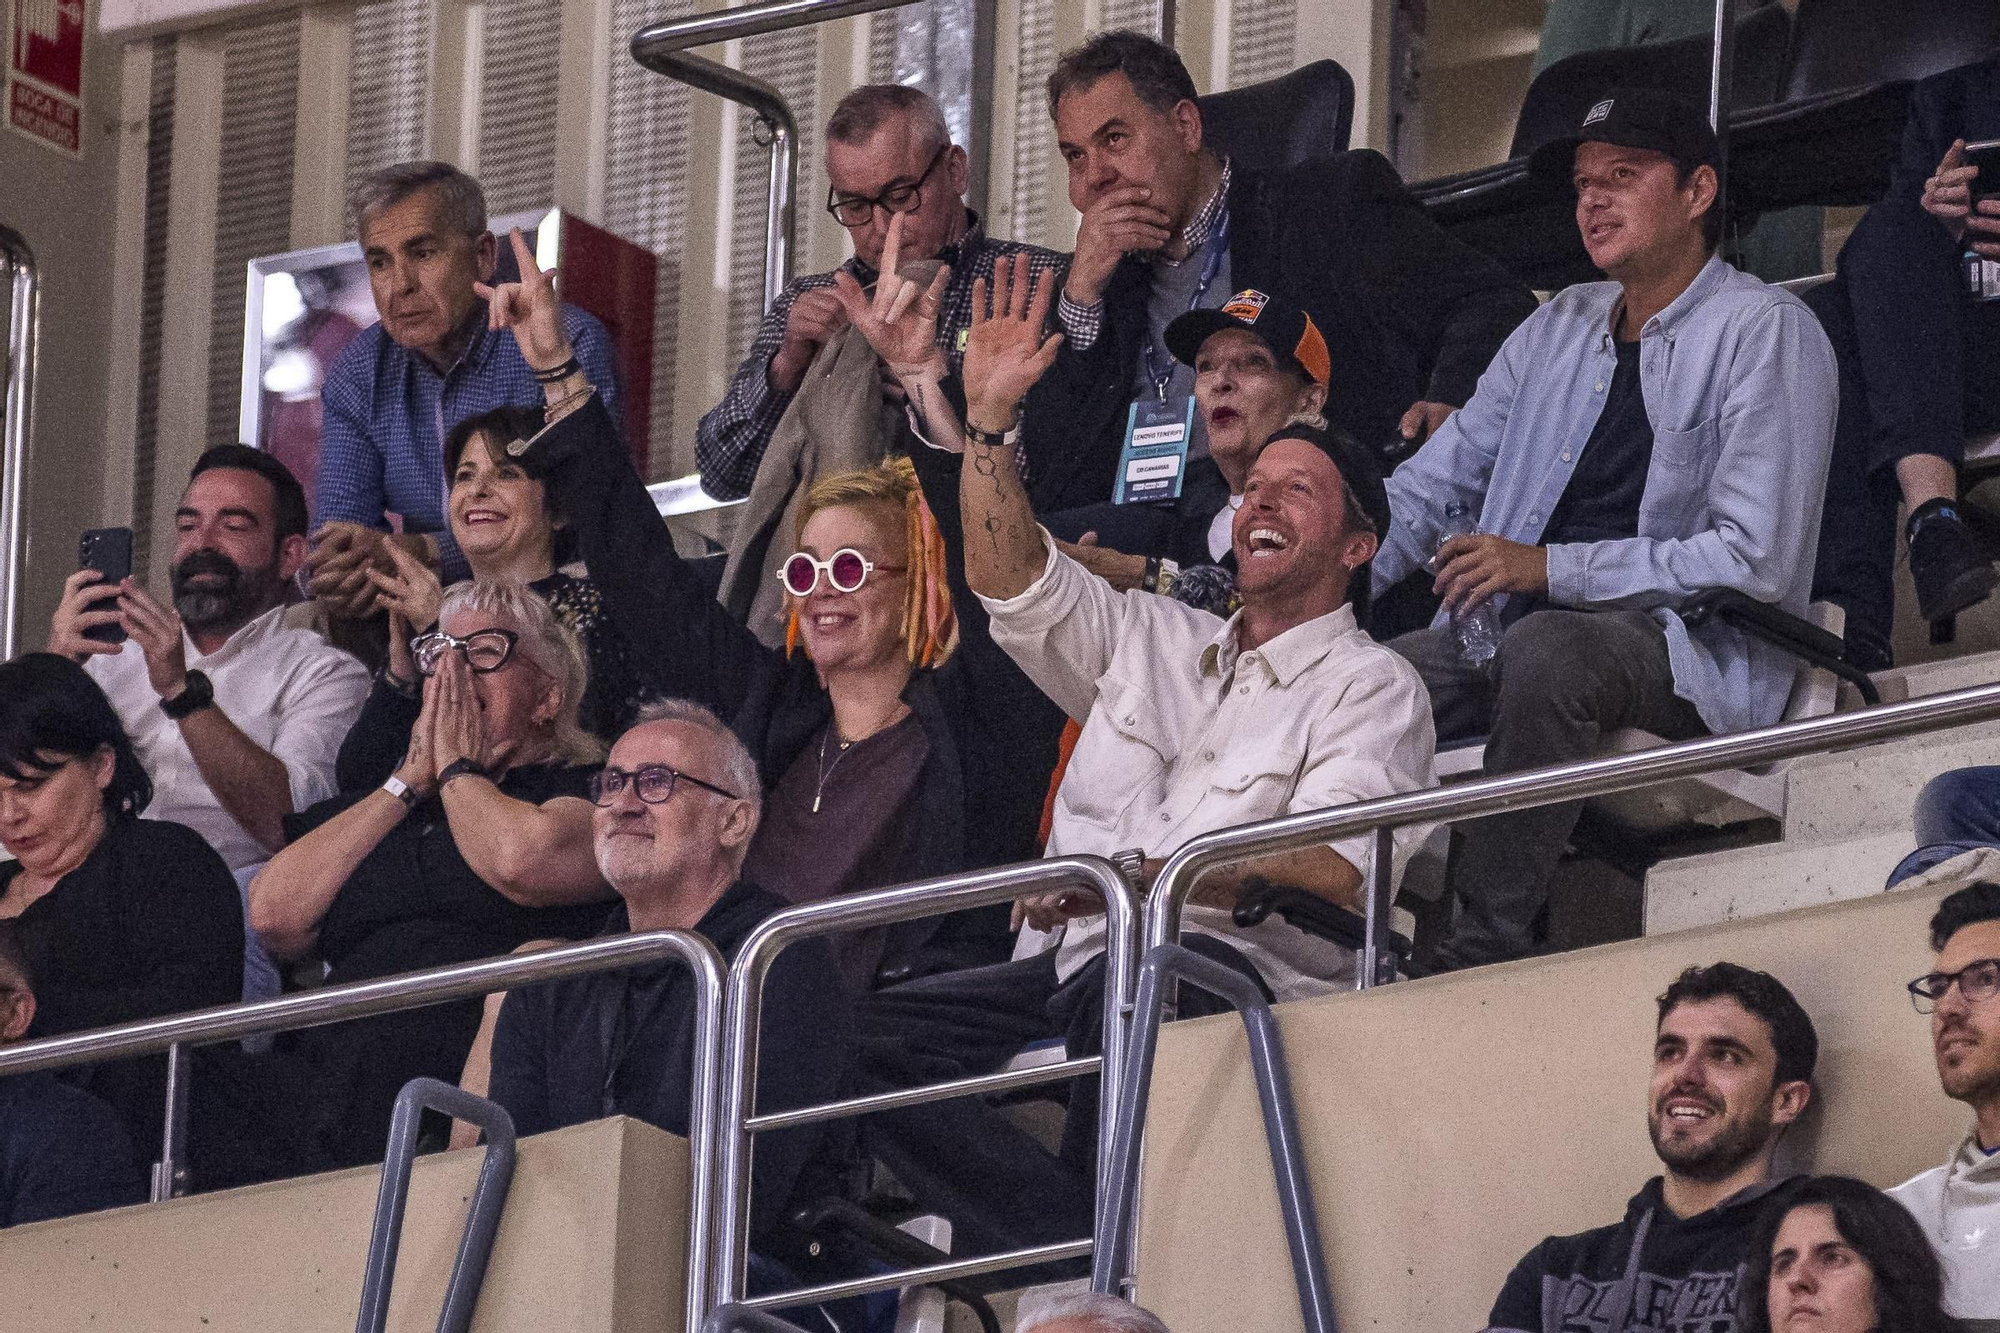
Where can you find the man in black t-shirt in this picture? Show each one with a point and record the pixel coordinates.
(1733, 1058)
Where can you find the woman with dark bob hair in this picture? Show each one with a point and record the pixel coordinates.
(1834, 1255)
(118, 918)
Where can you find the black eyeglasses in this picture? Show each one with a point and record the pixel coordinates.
(1976, 981)
(485, 650)
(854, 210)
(653, 783)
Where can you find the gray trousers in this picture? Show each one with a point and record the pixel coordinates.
(1561, 681)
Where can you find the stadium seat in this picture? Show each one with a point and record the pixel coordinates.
(1281, 122)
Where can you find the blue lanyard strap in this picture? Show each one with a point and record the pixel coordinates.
(1218, 246)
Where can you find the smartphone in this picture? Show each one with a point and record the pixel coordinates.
(1986, 156)
(109, 552)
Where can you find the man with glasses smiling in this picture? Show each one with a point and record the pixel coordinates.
(1958, 1203)
(888, 152)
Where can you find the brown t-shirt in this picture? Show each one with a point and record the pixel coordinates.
(862, 836)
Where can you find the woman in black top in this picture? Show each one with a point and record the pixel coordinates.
(1836, 1255)
(475, 840)
(502, 520)
(118, 918)
(876, 699)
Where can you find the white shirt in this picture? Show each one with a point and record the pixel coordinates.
(1183, 735)
(1958, 1206)
(1222, 530)
(289, 690)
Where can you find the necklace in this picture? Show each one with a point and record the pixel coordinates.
(826, 769)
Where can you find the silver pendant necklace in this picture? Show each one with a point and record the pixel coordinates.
(819, 788)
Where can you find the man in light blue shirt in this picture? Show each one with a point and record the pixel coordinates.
(1635, 444)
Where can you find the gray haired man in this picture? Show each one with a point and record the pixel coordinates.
(398, 388)
(1089, 1312)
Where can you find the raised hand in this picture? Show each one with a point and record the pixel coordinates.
(409, 589)
(900, 320)
(1948, 193)
(419, 768)
(86, 604)
(457, 727)
(1120, 221)
(1006, 352)
(157, 631)
(530, 309)
(815, 317)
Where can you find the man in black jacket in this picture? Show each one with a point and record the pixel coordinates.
(1919, 367)
(1410, 316)
(1733, 1059)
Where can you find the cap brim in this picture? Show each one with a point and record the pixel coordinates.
(1188, 332)
(1555, 161)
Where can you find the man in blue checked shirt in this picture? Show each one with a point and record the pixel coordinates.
(399, 387)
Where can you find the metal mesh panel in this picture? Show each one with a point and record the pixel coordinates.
(254, 193)
(152, 298)
(882, 46)
(1034, 141)
(1138, 15)
(788, 61)
(389, 84)
(517, 122)
(1262, 40)
(646, 200)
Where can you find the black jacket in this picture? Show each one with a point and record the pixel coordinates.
(1650, 1273)
(1407, 312)
(992, 735)
(622, 1043)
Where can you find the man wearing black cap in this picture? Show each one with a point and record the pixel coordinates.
(1189, 724)
(1635, 444)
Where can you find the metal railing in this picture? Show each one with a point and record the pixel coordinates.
(883, 907)
(178, 1034)
(665, 49)
(17, 264)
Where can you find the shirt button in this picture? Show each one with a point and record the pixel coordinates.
(1534, 518)
(1243, 689)
(1208, 756)
(1565, 455)
(1165, 817)
(1131, 721)
(1598, 387)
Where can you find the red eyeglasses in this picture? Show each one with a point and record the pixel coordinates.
(846, 570)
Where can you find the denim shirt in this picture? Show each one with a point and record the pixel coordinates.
(1741, 390)
(386, 411)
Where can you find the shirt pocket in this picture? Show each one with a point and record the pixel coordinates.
(1121, 757)
(1688, 449)
(1254, 782)
(1677, 483)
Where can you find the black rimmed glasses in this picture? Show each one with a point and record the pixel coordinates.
(853, 210)
(652, 783)
(485, 650)
(1977, 980)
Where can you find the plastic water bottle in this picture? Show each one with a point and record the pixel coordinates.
(1475, 630)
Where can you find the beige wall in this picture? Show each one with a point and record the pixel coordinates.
(1450, 1124)
(594, 1240)
(78, 476)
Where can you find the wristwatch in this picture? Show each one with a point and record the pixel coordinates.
(458, 768)
(987, 439)
(198, 693)
(402, 791)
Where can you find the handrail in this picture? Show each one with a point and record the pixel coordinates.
(881, 907)
(664, 49)
(417, 990)
(23, 331)
(1548, 786)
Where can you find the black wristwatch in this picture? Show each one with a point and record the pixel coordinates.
(458, 768)
(196, 695)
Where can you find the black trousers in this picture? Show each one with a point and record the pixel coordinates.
(964, 1158)
(1919, 370)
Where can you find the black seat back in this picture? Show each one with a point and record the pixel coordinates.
(1562, 93)
(1852, 43)
(1282, 122)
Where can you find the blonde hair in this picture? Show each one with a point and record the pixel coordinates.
(930, 626)
(545, 641)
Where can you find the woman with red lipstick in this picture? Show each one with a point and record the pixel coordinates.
(895, 741)
(1839, 1256)
(118, 918)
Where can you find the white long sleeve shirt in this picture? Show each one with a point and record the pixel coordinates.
(1958, 1206)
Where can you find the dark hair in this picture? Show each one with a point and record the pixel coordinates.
(1967, 907)
(288, 498)
(511, 421)
(1909, 1284)
(50, 706)
(1155, 70)
(1711, 221)
(1761, 994)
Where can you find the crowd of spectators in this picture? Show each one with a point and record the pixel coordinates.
(1237, 511)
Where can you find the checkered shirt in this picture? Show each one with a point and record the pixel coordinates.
(1082, 323)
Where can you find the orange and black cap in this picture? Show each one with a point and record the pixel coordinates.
(1284, 328)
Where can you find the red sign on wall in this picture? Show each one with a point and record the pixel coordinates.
(45, 73)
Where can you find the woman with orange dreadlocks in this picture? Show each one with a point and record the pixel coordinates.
(895, 740)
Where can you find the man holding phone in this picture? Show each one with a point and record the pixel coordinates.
(236, 717)
(1919, 356)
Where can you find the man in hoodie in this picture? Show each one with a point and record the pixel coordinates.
(1733, 1059)
(1958, 1204)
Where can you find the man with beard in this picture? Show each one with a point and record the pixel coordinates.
(1733, 1059)
(236, 717)
(1958, 1204)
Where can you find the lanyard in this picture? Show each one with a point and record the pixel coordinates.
(1218, 246)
